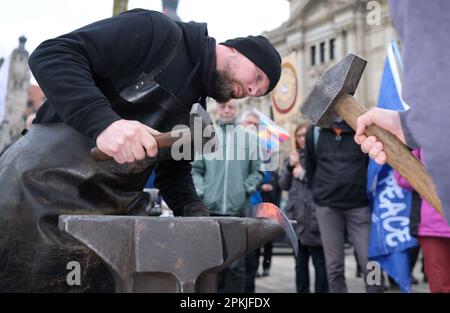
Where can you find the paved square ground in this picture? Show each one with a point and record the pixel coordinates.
(282, 276)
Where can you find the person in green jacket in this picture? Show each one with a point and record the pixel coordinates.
(225, 180)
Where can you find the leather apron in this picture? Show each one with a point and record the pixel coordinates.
(49, 172)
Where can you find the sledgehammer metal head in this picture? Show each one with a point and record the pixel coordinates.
(202, 129)
(340, 79)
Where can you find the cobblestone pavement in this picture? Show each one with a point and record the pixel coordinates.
(282, 276)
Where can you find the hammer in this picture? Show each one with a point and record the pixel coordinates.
(333, 95)
(199, 121)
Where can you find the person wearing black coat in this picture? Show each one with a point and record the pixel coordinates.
(336, 171)
(301, 208)
(114, 85)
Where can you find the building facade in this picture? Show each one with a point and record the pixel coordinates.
(321, 32)
(324, 31)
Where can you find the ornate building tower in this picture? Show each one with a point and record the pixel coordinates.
(18, 82)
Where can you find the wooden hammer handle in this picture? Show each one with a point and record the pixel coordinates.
(164, 140)
(398, 155)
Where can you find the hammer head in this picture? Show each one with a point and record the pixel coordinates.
(202, 130)
(342, 78)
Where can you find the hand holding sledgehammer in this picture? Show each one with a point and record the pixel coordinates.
(333, 95)
(199, 121)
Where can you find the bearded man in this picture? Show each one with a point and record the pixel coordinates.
(114, 85)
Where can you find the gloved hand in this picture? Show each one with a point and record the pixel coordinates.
(195, 209)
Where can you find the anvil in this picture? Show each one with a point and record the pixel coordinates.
(168, 254)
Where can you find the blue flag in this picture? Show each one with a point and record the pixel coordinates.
(390, 204)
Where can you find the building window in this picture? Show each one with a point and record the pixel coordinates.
(322, 52)
(332, 47)
(313, 55)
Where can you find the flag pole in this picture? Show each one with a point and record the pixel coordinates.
(293, 138)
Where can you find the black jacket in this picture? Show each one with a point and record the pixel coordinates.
(83, 72)
(300, 206)
(336, 168)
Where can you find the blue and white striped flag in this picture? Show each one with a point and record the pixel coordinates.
(390, 204)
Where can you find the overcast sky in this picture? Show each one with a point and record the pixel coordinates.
(39, 20)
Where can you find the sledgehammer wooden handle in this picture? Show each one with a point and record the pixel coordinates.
(164, 140)
(99, 155)
(398, 155)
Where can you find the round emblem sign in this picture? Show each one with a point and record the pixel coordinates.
(285, 93)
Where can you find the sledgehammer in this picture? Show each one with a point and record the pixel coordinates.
(333, 95)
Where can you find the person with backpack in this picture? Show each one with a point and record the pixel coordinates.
(336, 172)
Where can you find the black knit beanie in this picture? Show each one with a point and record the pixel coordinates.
(261, 52)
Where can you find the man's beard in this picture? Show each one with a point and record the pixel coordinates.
(223, 87)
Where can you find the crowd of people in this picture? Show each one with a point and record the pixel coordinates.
(325, 178)
(147, 85)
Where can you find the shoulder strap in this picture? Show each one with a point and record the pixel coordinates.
(145, 83)
(157, 70)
